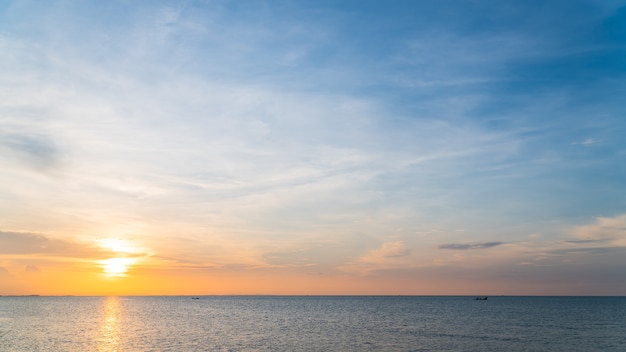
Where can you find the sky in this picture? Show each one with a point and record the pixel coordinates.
(467, 147)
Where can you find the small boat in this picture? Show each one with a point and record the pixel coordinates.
(481, 298)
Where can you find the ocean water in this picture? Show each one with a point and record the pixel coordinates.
(327, 323)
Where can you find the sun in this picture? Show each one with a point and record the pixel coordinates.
(116, 267)
(125, 255)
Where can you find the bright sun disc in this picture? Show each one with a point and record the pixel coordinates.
(122, 250)
(116, 266)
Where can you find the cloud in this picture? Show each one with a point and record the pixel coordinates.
(32, 269)
(459, 246)
(28, 243)
(390, 255)
(391, 250)
(587, 250)
(605, 236)
(586, 241)
(588, 141)
(197, 142)
(35, 149)
(387, 252)
(604, 229)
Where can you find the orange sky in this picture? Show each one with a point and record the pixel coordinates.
(121, 267)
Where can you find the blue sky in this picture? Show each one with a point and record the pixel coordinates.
(387, 142)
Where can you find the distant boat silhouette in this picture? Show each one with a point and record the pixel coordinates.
(481, 298)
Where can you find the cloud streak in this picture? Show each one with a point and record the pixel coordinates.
(28, 243)
(466, 246)
(38, 151)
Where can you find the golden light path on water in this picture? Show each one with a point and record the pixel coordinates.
(109, 339)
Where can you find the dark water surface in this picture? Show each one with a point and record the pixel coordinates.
(278, 323)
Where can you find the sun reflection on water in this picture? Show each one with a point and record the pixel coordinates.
(109, 340)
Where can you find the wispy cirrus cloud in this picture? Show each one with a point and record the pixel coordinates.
(388, 255)
(36, 150)
(388, 250)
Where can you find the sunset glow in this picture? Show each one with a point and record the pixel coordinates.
(117, 245)
(125, 256)
(116, 266)
(316, 147)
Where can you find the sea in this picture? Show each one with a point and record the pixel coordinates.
(312, 323)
